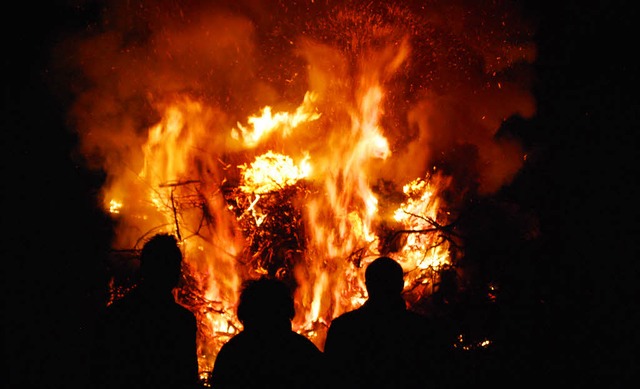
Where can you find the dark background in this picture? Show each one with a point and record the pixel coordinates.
(579, 279)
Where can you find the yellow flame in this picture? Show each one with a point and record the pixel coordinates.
(267, 123)
(271, 172)
(115, 206)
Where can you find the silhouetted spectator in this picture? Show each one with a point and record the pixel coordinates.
(267, 353)
(146, 339)
(382, 344)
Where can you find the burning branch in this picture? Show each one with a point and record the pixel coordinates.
(273, 229)
(445, 232)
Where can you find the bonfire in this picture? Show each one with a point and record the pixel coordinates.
(299, 142)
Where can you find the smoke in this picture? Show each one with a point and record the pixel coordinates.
(452, 74)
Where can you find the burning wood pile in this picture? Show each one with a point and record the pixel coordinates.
(269, 208)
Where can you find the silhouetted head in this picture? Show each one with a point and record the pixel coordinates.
(160, 262)
(265, 302)
(384, 279)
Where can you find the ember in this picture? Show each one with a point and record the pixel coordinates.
(354, 118)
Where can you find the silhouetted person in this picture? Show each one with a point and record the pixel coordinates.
(267, 353)
(382, 344)
(146, 339)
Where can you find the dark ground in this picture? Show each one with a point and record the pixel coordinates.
(573, 310)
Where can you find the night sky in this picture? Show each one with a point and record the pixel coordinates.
(579, 279)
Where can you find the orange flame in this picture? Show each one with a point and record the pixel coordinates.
(268, 123)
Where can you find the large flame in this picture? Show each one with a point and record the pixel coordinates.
(301, 143)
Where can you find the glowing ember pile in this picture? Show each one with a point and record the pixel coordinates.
(296, 146)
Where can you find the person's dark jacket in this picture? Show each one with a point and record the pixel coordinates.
(268, 357)
(146, 341)
(382, 345)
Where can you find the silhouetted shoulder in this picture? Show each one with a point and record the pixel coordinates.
(253, 360)
(346, 318)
